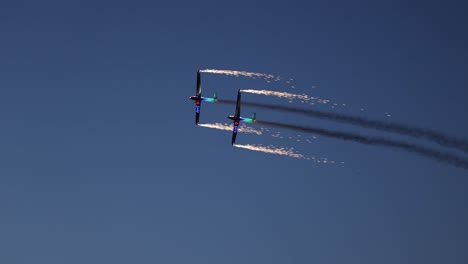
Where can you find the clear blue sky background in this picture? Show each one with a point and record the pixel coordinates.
(100, 160)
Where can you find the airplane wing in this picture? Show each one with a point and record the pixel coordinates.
(238, 104)
(198, 84)
(233, 138)
(234, 132)
(197, 111)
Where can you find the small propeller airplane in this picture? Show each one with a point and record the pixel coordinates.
(237, 118)
(198, 98)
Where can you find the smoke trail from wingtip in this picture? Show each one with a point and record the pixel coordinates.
(250, 130)
(272, 150)
(225, 126)
(289, 96)
(427, 152)
(242, 73)
(283, 152)
(268, 149)
(405, 130)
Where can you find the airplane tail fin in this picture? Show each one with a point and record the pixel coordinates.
(254, 117)
(215, 96)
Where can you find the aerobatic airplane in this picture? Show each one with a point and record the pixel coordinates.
(237, 118)
(198, 98)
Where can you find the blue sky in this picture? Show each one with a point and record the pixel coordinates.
(101, 161)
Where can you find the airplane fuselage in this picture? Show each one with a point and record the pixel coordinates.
(199, 99)
(239, 118)
(234, 118)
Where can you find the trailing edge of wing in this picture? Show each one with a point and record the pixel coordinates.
(198, 84)
(238, 104)
(233, 138)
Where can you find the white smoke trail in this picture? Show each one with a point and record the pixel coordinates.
(246, 129)
(243, 73)
(290, 96)
(227, 127)
(272, 150)
(268, 149)
(283, 152)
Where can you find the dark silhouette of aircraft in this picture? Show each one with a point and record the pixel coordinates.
(237, 118)
(198, 98)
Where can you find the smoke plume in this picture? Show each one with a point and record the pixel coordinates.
(434, 136)
(421, 150)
